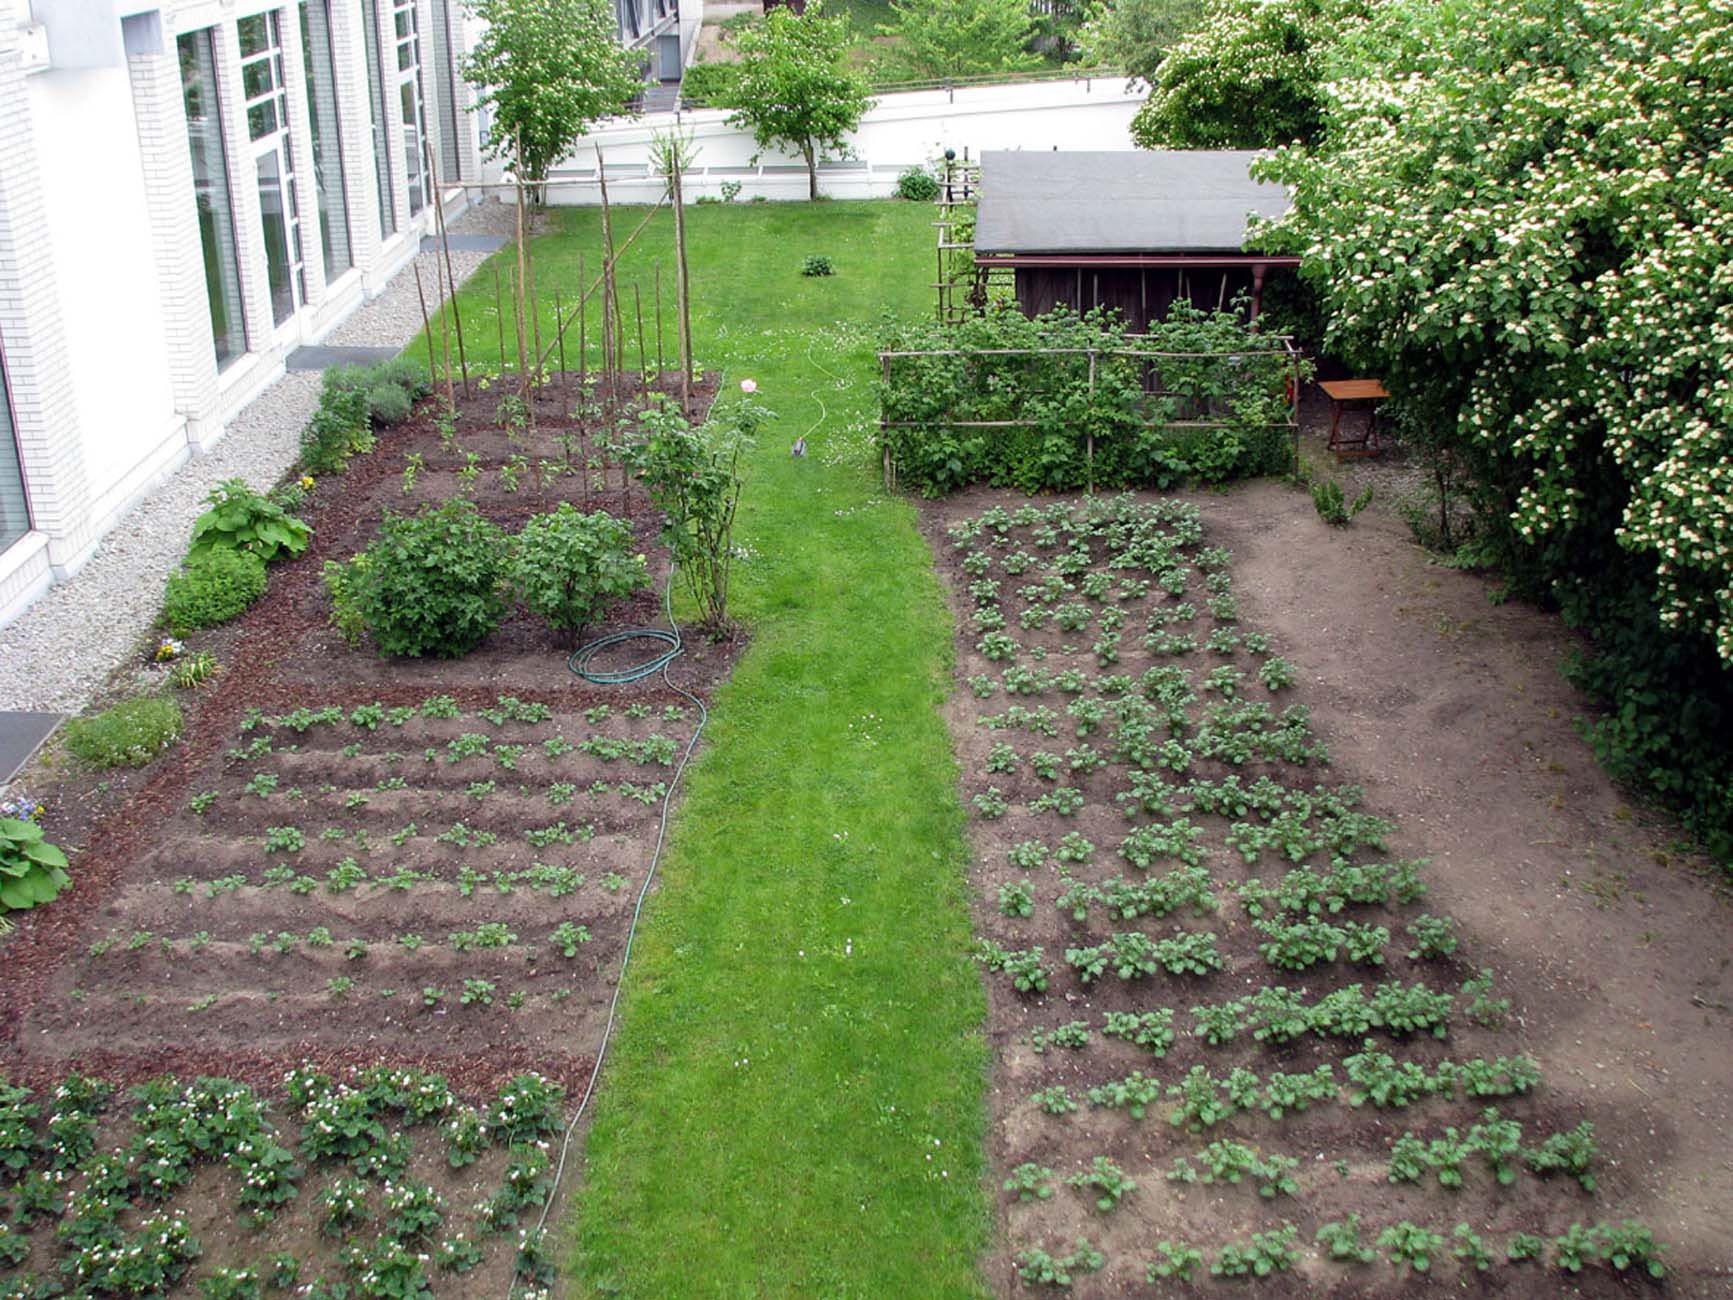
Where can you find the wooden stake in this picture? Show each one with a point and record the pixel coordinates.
(583, 330)
(426, 328)
(610, 333)
(450, 279)
(658, 322)
(681, 287)
(517, 296)
(638, 307)
(560, 338)
(499, 318)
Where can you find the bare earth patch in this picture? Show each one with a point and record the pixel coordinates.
(1611, 942)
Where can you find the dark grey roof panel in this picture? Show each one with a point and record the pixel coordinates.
(1126, 201)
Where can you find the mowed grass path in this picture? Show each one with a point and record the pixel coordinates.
(794, 1104)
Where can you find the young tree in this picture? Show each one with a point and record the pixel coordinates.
(1135, 35)
(940, 40)
(793, 88)
(547, 69)
(1250, 76)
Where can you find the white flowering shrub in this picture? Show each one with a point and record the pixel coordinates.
(1518, 215)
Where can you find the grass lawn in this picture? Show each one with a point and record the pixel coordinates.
(794, 1103)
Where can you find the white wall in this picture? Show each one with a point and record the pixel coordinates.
(901, 130)
(117, 344)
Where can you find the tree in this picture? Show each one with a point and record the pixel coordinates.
(941, 40)
(792, 87)
(547, 69)
(1250, 76)
(1135, 35)
(1517, 213)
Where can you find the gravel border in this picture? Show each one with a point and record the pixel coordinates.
(110, 603)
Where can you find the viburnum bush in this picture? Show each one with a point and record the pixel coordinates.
(1518, 216)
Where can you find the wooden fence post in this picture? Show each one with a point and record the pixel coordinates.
(1089, 429)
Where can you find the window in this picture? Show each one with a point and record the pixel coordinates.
(379, 115)
(14, 507)
(414, 123)
(211, 193)
(445, 100)
(328, 183)
(273, 159)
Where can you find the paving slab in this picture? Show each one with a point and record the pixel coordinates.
(465, 243)
(20, 734)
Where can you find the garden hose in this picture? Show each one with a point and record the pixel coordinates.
(578, 664)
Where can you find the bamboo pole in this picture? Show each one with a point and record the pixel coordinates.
(560, 342)
(610, 338)
(499, 318)
(623, 250)
(525, 395)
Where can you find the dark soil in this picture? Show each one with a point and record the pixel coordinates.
(1613, 944)
(174, 954)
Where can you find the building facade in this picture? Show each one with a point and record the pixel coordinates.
(190, 189)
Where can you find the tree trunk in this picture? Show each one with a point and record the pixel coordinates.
(811, 154)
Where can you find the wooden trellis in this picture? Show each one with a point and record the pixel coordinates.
(1282, 349)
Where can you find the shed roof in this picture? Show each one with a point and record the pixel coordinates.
(1125, 201)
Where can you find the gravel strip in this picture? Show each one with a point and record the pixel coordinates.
(115, 598)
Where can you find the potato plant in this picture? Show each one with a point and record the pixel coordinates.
(1136, 692)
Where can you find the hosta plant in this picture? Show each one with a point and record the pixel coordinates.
(32, 871)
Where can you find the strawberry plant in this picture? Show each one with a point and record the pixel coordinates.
(1150, 1030)
(1572, 1152)
(1468, 1246)
(1017, 899)
(1134, 1094)
(1107, 1178)
(1056, 1100)
(1036, 1267)
(1266, 1253)
(1174, 1260)
(1341, 1242)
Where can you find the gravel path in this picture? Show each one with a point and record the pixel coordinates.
(114, 599)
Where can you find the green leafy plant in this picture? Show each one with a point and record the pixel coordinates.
(212, 587)
(432, 584)
(243, 520)
(566, 567)
(817, 264)
(32, 871)
(129, 734)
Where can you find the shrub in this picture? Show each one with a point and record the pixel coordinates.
(388, 404)
(567, 565)
(212, 587)
(918, 185)
(339, 429)
(817, 264)
(32, 870)
(129, 735)
(431, 582)
(341, 578)
(241, 519)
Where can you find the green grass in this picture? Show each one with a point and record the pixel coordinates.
(794, 1106)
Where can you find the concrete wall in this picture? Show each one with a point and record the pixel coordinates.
(901, 130)
(103, 313)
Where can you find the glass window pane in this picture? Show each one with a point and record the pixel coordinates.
(211, 193)
(262, 119)
(376, 108)
(254, 34)
(273, 212)
(329, 185)
(14, 508)
(256, 78)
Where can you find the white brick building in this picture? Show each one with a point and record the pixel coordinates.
(190, 189)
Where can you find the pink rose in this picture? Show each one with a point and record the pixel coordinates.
(749, 385)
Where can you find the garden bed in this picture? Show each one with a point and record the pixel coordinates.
(1139, 778)
(351, 861)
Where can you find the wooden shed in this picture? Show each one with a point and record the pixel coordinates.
(1128, 229)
